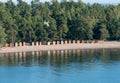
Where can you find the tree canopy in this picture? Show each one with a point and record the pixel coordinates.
(55, 20)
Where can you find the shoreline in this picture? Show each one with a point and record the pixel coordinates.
(60, 47)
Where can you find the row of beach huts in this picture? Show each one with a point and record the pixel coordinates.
(51, 43)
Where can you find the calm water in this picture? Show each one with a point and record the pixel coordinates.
(71, 66)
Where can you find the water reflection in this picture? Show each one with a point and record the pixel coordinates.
(59, 58)
(72, 66)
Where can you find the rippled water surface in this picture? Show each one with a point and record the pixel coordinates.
(67, 66)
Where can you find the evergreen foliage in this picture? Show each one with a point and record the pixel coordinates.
(58, 21)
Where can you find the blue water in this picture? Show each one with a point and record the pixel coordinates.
(72, 66)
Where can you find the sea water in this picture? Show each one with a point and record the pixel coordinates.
(64, 66)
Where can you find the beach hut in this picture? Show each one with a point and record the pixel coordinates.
(48, 43)
(16, 44)
(20, 43)
(74, 42)
(33, 43)
(54, 42)
(24, 44)
(40, 43)
(66, 42)
(37, 44)
(78, 42)
(69, 41)
(58, 42)
(62, 42)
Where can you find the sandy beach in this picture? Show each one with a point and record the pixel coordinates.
(61, 47)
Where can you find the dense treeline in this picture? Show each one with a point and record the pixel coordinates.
(58, 21)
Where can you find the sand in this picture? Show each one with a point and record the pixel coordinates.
(61, 47)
